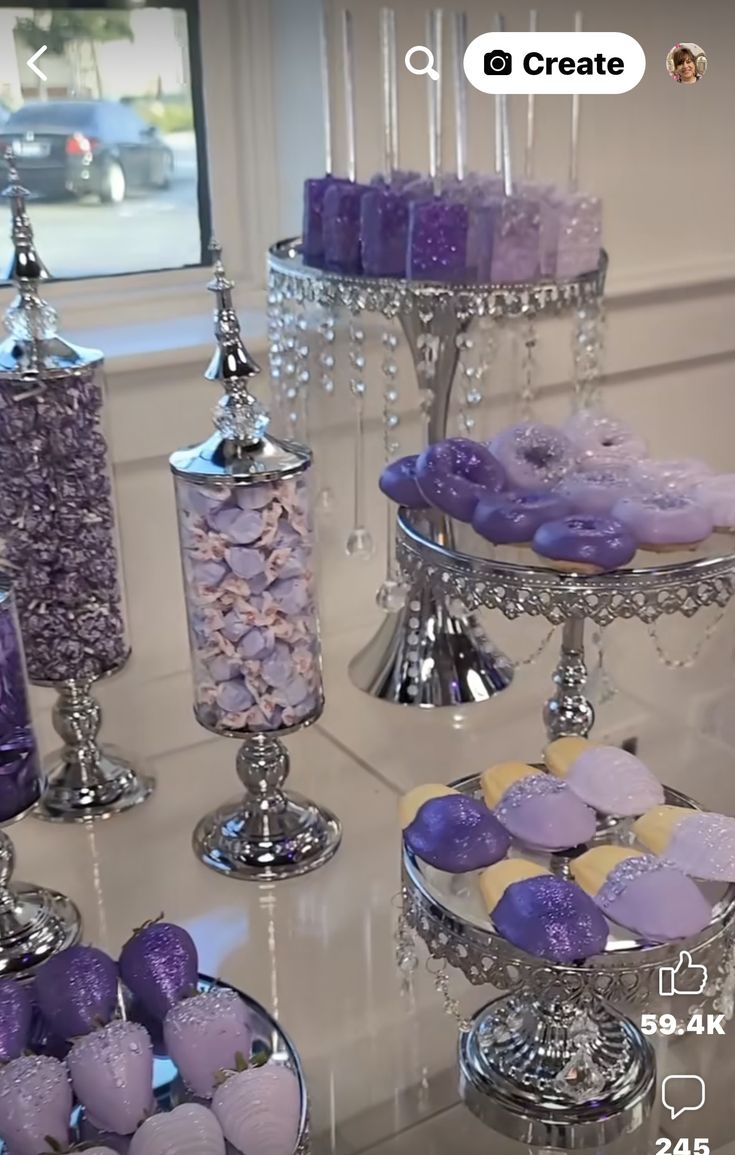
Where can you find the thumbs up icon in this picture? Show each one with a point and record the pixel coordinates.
(686, 978)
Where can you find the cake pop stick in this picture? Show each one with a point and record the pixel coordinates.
(530, 113)
(459, 44)
(315, 190)
(438, 228)
(516, 246)
(343, 202)
(499, 27)
(390, 107)
(574, 150)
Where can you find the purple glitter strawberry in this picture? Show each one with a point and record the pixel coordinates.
(207, 1034)
(259, 1109)
(16, 1013)
(159, 966)
(190, 1129)
(35, 1105)
(76, 991)
(112, 1075)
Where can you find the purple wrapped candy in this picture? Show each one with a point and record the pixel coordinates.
(513, 518)
(551, 918)
(398, 482)
(251, 605)
(437, 241)
(455, 474)
(457, 834)
(61, 511)
(342, 213)
(585, 544)
(20, 774)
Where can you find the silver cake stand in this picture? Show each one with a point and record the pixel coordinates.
(459, 664)
(554, 1061)
(451, 559)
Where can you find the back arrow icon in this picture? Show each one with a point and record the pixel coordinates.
(32, 62)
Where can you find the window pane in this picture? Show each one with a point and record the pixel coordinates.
(110, 139)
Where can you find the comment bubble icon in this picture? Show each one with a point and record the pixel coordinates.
(682, 1093)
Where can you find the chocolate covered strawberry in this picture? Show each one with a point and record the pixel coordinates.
(76, 991)
(188, 1130)
(160, 967)
(35, 1105)
(16, 1014)
(259, 1110)
(112, 1075)
(208, 1034)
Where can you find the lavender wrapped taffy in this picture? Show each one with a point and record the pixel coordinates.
(20, 774)
(249, 587)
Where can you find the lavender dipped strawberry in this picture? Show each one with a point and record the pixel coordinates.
(187, 1130)
(76, 991)
(35, 1105)
(112, 1075)
(160, 966)
(259, 1109)
(16, 1014)
(207, 1034)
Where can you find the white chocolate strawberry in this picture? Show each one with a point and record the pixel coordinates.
(207, 1034)
(112, 1073)
(35, 1105)
(259, 1110)
(190, 1129)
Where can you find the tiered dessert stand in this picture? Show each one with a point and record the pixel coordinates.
(450, 559)
(553, 1061)
(426, 653)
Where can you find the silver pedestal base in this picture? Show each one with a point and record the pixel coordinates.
(259, 844)
(110, 785)
(430, 655)
(547, 1079)
(269, 833)
(34, 925)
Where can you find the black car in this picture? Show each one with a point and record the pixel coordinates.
(85, 147)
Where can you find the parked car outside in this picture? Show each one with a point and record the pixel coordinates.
(82, 147)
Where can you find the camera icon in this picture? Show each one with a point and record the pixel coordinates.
(498, 63)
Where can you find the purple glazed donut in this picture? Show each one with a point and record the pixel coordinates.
(603, 441)
(513, 518)
(398, 482)
(595, 491)
(661, 521)
(535, 457)
(454, 474)
(663, 476)
(585, 544)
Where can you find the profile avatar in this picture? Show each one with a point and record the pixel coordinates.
(686, 63)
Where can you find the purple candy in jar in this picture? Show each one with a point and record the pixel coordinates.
(20, 773)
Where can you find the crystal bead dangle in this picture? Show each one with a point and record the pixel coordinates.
(326, 361)
(391, 595)
(528, 337)
(359, 541)
(588, 344)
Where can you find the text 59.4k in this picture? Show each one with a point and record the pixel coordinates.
(698, 1025)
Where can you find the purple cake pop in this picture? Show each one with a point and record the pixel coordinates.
(398, 482)
(517, 244)
(457, 834)
(454, 474)
(437, 241)
(20, 774)
(550, 918)
(384, 232)
(341, 222)
(315, 190)
(643, 893)
(513, 518)
(585, 544)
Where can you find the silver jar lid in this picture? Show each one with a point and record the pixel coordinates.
(34, 353)
(240, 451)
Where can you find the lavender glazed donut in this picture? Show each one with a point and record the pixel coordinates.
(679, 476)
(717, 495)
(454, 474)
(585, 544)
(664, 521)
(398, 482)
(535, 457)
(596, 491)
(513, 518)
(602, 441)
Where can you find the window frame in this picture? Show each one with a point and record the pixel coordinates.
(231, 70)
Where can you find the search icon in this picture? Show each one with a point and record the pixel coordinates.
(427, 69)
